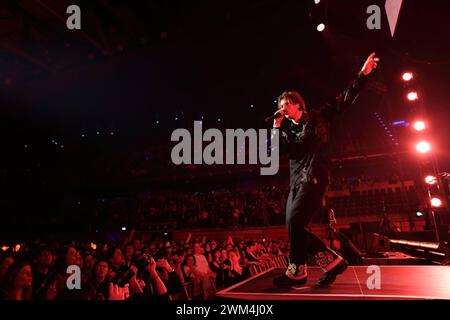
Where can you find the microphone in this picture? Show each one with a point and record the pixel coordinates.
(273, 117)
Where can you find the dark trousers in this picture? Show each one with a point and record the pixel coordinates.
(304, 200)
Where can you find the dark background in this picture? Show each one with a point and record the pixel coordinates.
(86, 114)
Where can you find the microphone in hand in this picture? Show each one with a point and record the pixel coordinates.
(275, 116)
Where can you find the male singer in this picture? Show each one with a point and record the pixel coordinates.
(305, 136)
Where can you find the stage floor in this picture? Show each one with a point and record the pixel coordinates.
(397, 283)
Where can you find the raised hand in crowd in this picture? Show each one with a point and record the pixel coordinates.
(118, 293)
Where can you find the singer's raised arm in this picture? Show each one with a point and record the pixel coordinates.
(335, 106)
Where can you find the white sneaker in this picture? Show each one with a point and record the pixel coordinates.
(295, 272)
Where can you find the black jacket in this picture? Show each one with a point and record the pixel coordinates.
(307, 142)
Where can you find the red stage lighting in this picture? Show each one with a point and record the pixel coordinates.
(436, 202)
(407, 76)
(423, 147)
(431, 179)
(419, 125)
(412, 96)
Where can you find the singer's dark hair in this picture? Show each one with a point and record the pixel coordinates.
(294, 96)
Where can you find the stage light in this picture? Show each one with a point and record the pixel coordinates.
(400, 123)
(17, 248)
(218, 120)
(98, 132)
(419, 125)
(124, 229)
(436, 202)
(423, 147)
(430, 179)
(111, 133)
(407, 76)
(419, 214)
(157, 121)
(83, 135)
(413, 96)
(316, 1)
(4, 248)
(93, 246)
(321, 27)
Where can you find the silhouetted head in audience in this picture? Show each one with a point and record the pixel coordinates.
(234, 257)
(217, 255)
(5, 262)
(73, 257)
(176, 258)
(137, 245)
(129, 252)
(44, 258)
(116, 258)
(198, 249)
(101, 269)
(153, 249)
(17, 281)
(89, 261)
(224, 253)
(250, 246)
(189, 260)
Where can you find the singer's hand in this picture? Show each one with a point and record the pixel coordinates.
(277, 121)
(370, 64)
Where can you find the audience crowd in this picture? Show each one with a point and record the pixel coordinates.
(264, 206)
(237, 208)
(158, 269)
(132, 270)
